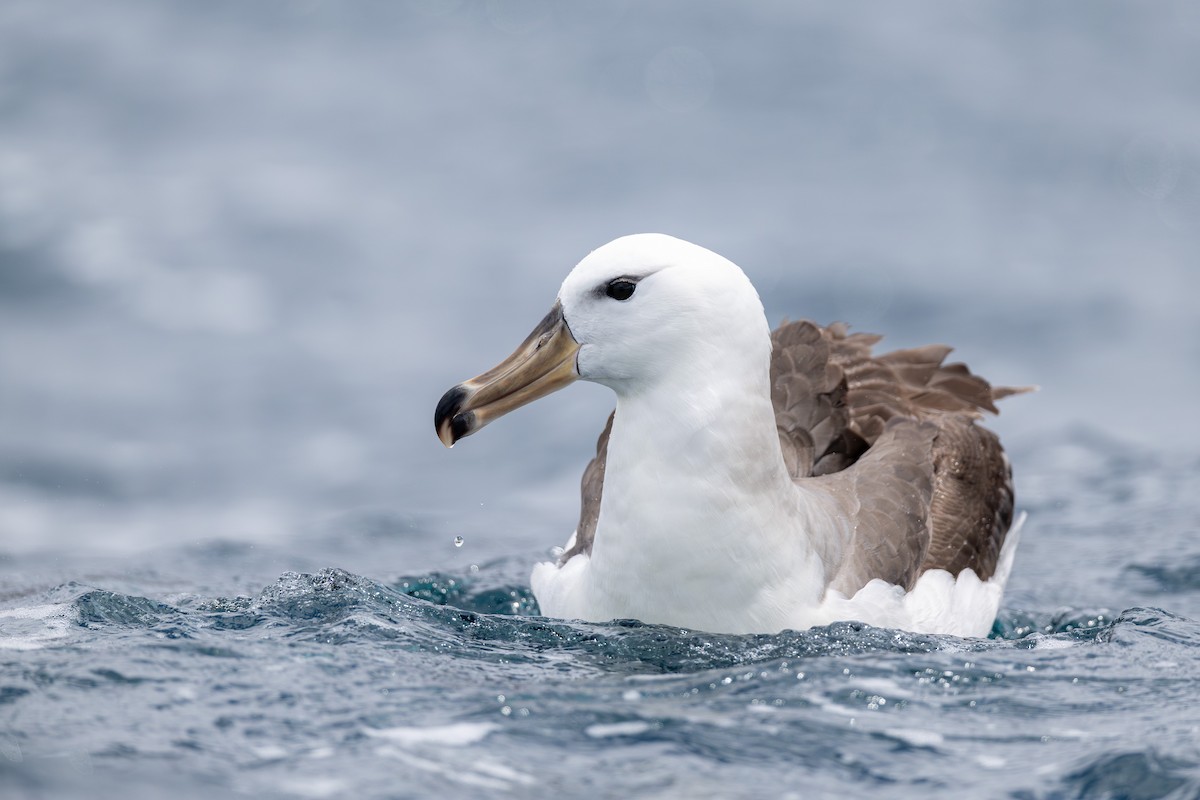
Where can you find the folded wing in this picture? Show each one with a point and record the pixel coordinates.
(893, 439)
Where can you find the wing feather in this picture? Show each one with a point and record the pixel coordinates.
(968, 501)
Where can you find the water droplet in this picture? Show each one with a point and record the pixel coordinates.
(458, 541)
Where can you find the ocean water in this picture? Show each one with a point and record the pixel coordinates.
(244, 248)
(125, 680)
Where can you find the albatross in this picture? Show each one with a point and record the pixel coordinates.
(750, 480)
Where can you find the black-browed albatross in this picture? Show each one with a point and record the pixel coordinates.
(750, 480)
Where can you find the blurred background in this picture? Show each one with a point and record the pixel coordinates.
(244, 247)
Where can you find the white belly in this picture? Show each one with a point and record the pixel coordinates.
(938, 603)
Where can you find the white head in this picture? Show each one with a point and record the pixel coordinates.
(641, 312)
(688, 308)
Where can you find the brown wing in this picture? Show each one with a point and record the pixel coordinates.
(931, 489)
(972, 506)
(968, 504)
(886, 497)
(809, 393)
(591, 489)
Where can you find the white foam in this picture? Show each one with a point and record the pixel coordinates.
(480, 773)
(270, 752)
(502, 771)
(882, 686)
(315, 786)
(1053, 643)
(33, 627)
(33, 612)
(917, 738)
(632, 728)
(454, 735)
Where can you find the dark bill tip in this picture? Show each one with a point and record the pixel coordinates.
(447, 421)
(461, 425)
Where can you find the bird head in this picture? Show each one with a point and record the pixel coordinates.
(641, 312)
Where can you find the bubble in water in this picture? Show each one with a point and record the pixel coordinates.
(458, 541)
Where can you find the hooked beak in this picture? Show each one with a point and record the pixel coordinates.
(545, 362)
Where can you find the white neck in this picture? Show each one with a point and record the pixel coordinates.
(672, 548)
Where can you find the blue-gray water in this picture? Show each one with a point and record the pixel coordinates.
(245, 247)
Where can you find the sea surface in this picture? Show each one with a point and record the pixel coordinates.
(180, 670)
(245, 247)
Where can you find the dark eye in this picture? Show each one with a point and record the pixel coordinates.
(620, 289)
